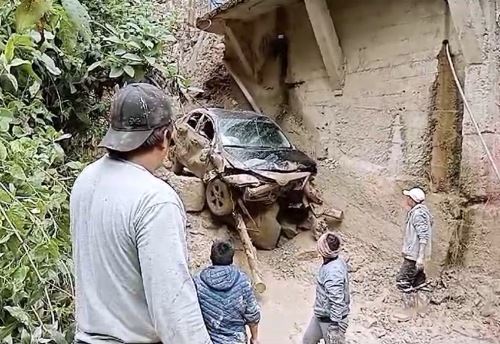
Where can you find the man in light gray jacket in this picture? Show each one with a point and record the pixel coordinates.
(416, 242)
(332, 305)
(128, 230)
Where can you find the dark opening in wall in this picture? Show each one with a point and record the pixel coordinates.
(446, 128)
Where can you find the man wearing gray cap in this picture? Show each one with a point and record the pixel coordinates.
(128, 230)
(416, 242)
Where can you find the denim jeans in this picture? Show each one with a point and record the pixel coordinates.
(318, 330)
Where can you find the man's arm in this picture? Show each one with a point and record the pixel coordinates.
(422, 227)
(252, 312)
(170, 291)
(334, 287)
(254, 333)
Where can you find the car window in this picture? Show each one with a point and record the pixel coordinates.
(206, 128)
(193, 120)
(252, 133)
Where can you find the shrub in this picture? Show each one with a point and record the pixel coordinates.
(57, 59)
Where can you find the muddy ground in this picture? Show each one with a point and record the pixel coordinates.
(462, 309)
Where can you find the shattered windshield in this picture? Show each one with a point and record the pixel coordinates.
(251, 133)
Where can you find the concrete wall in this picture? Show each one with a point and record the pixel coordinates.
(379, 130)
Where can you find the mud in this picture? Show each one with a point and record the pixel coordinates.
(456, 312)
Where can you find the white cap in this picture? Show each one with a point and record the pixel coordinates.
(416, 194)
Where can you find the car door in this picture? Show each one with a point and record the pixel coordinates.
(190, 146)
(184, 135)
(201, 147)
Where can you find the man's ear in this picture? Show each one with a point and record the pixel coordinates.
(167, 139)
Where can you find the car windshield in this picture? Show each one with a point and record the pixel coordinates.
(253, 133)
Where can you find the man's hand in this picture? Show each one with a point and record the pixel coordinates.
(420, 264)
(334, 335)
(254, 341)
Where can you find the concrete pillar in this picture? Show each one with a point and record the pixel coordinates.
(328, 41)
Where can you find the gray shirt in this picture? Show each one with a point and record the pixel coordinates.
(332, 291)
(132, 279)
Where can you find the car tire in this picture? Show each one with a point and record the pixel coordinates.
(219, 197)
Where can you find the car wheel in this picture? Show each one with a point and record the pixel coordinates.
(177, 167)
(219, 198)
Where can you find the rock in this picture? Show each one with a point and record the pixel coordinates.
(379, 333)
(289, 230)
(496, 286)
(372, 322)
(488, 310)
(402, 316)
(191, 190)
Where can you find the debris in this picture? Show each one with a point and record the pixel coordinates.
(191, 190)
(246, 160)
(288, 229)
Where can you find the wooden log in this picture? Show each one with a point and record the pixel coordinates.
(251, 254)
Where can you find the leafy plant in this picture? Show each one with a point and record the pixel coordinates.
(54, 75)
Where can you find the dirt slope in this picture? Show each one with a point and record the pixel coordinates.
(464, 306)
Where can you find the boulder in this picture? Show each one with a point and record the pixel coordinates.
(190, 189)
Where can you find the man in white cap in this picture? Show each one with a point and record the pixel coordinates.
(416, 242)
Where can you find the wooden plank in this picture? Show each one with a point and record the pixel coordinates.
(233, 41)
(327, 39)
(469, 23)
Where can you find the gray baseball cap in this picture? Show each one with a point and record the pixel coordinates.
(137, 110)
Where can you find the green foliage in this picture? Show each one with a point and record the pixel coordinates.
(58, 58)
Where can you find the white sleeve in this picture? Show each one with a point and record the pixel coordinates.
(170, 291)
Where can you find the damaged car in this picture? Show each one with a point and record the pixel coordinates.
(248, 165)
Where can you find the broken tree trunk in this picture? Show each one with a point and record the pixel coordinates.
(251, 254)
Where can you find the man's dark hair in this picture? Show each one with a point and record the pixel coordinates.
(333, 242)
(155, 139)
(222, 253)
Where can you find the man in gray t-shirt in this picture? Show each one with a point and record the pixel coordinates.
(416, 242)
(128, 230)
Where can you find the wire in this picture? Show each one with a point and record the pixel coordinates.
(469, 111)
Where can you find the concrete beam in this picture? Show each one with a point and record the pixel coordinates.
(328, 41)
(233, 41)
(469, 22)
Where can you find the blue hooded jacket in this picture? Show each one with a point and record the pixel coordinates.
(227, 303)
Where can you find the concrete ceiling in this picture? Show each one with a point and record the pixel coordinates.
(238, 10)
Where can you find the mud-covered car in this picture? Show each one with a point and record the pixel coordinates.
(246, 161)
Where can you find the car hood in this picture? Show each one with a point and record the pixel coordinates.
(281, 160)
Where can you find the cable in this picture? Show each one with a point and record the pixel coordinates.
(469, 111)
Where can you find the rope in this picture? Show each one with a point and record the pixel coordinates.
(469, 111)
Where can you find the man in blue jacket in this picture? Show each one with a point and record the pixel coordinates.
(227, 301)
